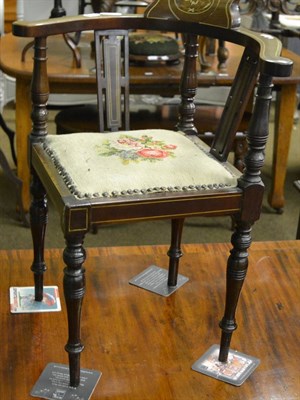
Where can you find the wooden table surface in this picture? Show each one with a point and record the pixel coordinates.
(145, 344)
(64, 77)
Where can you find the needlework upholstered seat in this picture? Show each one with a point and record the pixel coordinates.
(118, 175)
(138, 162)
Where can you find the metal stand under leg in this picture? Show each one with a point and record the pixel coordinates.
(235, 370)
(159, 280)
(221, 362)
(68, 382)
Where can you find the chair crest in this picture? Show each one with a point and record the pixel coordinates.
(222, 13)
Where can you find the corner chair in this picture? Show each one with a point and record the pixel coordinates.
(118, 175)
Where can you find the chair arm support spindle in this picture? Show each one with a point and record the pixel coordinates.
(257, 136)
(258, 133)
(39, 91)
(188, 86)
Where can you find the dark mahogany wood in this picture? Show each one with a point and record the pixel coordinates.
(261, 57)
(74, 289)
(38, 223)
(188, 86)
(174, 251)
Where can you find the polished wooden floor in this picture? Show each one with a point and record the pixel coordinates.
(145, 344)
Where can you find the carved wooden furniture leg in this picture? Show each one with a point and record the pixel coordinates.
(74, 289)
(18, 185)
(239, 150)
(175, 251)
(10, 134)
(38, 209)
(222, 55)
(204, 64)
(23, 124)
(241, 239)
(236, 273)
(75, 50)
(284, 119)
(25, 49)
(38, 222)
(14, 179)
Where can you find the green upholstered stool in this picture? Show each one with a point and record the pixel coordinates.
(153, 47)
(77, 119)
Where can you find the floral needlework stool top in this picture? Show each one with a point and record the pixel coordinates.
(114, 164)
(152, 44)
(136, 149)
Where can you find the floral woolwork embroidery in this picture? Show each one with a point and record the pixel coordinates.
(129, 148)
(141, 39)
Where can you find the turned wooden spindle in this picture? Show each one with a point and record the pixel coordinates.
(38, 222)
(38, 209)
(236, 272)
(58, 10)
(175, 252)
(188, 86)
(74, 288)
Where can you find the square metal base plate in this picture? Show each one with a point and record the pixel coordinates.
(235, 371)
(53, 384)
(155, 279)
(22, 300)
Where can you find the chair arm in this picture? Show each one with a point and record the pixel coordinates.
(267, 47)
(270, 53)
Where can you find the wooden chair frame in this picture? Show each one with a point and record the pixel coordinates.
(261, 59)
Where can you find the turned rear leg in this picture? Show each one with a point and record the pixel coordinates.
(38, 223)
(174, 252)
(74, 289)
(236, 272)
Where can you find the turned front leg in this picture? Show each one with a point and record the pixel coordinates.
(38, 223)
(236, 272)
(74, 289)
(175, 252)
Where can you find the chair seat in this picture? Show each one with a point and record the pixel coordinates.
(136, 162)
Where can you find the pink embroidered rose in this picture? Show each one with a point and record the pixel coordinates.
(129, 148)
(169, 146)
(153, 153)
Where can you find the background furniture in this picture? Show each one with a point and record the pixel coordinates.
(10, 135)
(297, 186)
(157, 366)
(119, 196)
(279, 18)
(260, 9)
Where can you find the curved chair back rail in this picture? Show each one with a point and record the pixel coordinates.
(269, 47)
